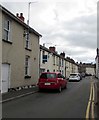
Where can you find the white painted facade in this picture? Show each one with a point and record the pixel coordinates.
(56, 63)
(52, 63)
(68, 69)
(90, 70)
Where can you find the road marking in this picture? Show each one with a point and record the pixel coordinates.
(89, 103)
(93, 99)
(90, 106)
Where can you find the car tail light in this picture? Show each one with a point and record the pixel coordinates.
(57, 81)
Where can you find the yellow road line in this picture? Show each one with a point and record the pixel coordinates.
(89, 103)
(87, 111)
(92, 108)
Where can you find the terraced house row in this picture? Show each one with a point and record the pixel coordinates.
(22, 58)
(51, 61)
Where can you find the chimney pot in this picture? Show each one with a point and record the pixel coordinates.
(63, 54)
(21, 17)
(21, 14)
(52, 49)
(17, 14)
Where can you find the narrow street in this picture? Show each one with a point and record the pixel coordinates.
(70, 103)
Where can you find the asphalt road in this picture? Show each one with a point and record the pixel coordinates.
(70, 103)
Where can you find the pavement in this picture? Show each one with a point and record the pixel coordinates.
(11, 95)
(96, 102)
(97, 99)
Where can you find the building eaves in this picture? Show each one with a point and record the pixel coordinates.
(88, 65)
(46, 49)
(55, 53)
(18, 20)
(70, 60)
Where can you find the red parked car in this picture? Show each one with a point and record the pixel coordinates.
(52, 80)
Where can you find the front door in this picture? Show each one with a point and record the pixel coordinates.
(5, 77)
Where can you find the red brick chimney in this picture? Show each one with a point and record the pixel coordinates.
(20, 17)
(52, 49)
(62, 54)
(17, 14)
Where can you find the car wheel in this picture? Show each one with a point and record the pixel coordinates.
(65, 87)
(60, 89)
(40, 90)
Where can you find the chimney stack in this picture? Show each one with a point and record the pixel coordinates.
(17, 14)
(52, 49)
(62, 54)
(20, 17)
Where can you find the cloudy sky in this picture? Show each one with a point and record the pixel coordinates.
(69, 25)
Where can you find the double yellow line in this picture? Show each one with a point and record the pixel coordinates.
(90, 107)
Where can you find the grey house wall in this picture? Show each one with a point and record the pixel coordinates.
(14, 54)
(0, 49)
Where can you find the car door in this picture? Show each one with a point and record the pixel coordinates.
(61, 80)
(64, 81)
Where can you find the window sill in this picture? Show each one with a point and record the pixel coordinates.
(28, 49)
(27, 77)
(7, 41)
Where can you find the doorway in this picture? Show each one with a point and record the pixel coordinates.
(5, 78)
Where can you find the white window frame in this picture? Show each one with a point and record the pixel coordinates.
(54, 60)
(27, 45)
(42, 56)
(62, 62)
(7, 30)
(27, 65)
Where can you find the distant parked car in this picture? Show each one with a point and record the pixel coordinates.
(83, 74)
(75, 77)
(88, 74)
(52, 80)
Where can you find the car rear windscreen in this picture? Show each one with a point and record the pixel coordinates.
(73, 74)
(47, 75)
